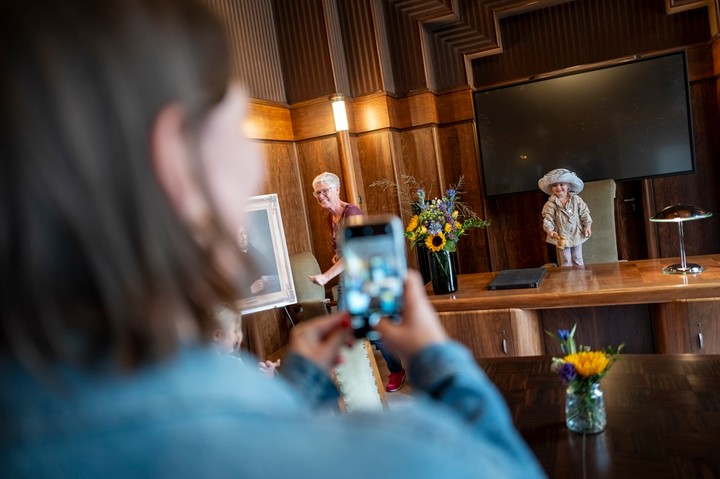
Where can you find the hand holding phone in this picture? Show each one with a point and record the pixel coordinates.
(373, 249)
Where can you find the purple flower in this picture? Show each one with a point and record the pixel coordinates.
(567, 372)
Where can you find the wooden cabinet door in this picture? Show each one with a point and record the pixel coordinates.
(703, 321)
(488, 334)
(602, 326)
(688, 326)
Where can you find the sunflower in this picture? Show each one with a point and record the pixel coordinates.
(588, 363)
(435, 242)
(413, 223)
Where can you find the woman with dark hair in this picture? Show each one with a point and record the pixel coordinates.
(119, 181)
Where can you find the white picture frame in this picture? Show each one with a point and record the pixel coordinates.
(267, 236)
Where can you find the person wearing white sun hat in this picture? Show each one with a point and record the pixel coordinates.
(566, 217)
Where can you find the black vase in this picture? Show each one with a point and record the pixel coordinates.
(443, 270)
(423, 262)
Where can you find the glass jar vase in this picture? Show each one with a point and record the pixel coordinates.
(585, 410)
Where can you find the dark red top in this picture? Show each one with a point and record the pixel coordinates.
(350, 210)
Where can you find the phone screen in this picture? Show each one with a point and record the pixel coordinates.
(375, 270)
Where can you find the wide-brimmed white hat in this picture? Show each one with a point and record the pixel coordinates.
(560, 175)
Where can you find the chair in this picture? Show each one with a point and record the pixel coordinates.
(311, 299)
(602, 245)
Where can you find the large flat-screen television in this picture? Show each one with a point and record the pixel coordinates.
(627, 121)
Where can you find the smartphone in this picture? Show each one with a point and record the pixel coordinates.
(373, 250)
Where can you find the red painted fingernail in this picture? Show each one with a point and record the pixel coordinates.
(345, 323)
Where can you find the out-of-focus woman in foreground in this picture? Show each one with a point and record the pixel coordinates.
(122, 176)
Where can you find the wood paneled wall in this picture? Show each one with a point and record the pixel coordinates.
(254, 47)
(405, 123)
(304, 49)
(585, 32)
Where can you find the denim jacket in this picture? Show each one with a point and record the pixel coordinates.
(203, 415)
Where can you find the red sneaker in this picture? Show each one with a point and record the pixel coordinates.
(395, 381)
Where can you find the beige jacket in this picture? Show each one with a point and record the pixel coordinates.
(568, 221)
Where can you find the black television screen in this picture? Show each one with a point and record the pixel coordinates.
(626, 121)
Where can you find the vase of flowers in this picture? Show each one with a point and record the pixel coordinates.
(437, 224)
(582, 369)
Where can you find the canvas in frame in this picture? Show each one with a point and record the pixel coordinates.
(262, 239)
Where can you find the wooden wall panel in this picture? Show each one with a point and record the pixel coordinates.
(268, 122)
(630, 222)
(700, 188)
(379, 111)
(404, 47)
(601, 327)
(457, 146)
(315, 157)
(455, 106)
(515, 235)
(313, 119)
(363, 62)
(585, 32)
(376, 163)
(304, 50)
(266, 332)
(446, 64)
(282, 176)
(253, 46)
(416, 155)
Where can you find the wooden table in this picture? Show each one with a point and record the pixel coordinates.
(663, 417)
(624, 282)
(631, 301)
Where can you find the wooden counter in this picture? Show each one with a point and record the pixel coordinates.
(632, 302)
(626, 282)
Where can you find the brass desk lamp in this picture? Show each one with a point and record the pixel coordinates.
(679, 214)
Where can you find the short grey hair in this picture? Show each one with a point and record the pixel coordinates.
(330, 179)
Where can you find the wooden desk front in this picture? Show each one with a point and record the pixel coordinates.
(663, 416)
(624, 301)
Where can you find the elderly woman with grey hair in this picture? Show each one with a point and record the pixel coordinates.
(326, 190)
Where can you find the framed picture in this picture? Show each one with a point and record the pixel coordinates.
(262, 238)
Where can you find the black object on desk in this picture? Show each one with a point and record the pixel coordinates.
(518, 278)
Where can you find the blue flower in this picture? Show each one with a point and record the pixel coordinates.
(434, 228)
(563, 334)
(567, 372)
